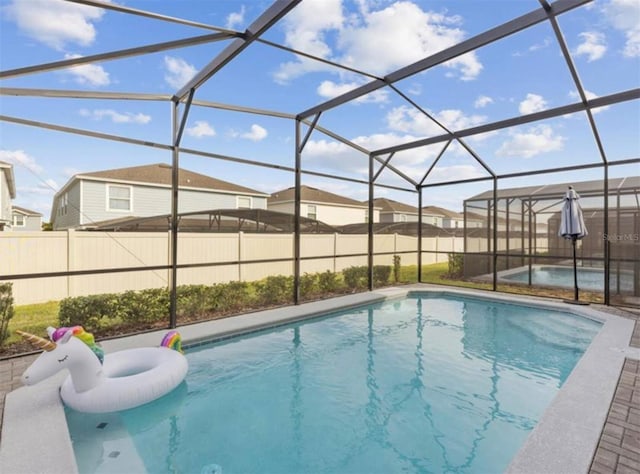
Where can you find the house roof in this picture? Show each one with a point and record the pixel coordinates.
(583, 188)
(441, 211)
(160, 174)
(26, 212)
(313, 195)
(8, 171)
(389, 205)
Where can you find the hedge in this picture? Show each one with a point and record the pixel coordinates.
(198, 302)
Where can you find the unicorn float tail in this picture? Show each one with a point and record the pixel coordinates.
(172, 340)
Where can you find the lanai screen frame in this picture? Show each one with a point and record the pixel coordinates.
(184, 98)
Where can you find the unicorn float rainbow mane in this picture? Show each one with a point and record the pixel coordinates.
(84, 336)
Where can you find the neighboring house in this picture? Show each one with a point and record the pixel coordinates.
(394, 211)
(441, 217)
(25, 220)
(323, 206)
(143, 191)
(7, 193)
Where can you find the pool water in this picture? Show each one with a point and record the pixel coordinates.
(588, 278)
(426, 384)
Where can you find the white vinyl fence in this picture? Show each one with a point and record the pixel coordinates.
(62, 251)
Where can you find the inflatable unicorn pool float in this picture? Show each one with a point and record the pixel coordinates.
(99, 383)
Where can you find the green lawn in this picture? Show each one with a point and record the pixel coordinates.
(435, 273)
(33, 318)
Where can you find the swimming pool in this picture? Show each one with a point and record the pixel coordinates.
(588, 278)
(424, 384)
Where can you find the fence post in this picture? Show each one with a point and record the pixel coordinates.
(71, 249)
(240, 243)
(335, 251)
(395, 244)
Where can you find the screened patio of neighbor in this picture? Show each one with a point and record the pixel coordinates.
(528, 239)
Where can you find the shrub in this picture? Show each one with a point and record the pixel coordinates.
(328, 282)
(276, 289)
(87, 311)
(6, 310)
(194, 300)
(381, 274)
(309, 285)
(356, 277)
(95, 311)
(229, 297)
(149, 305)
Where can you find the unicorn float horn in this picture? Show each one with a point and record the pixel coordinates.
(38, 341)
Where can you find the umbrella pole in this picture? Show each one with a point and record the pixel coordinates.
(575, 270)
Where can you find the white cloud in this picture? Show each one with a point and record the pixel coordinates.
(201, 128)
(116, 117)
(457, 172)
(20, 158)
(362, 40)
(533, 103)
(330, 89)
(536, 140)
(482, 101)
(235, 19)
(624, 15)
(89, 74)
(593, 45)
(256, 134)
(305, 30)
(415, 89)
(410, 120)
(46, 188)
(55, 22)
(179, 72)
(537, 46)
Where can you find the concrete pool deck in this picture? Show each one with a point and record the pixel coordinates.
(592, 425)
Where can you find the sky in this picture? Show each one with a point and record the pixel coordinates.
(518, 75)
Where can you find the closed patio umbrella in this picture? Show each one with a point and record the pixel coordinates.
(572, 227)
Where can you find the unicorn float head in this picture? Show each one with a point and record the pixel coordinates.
(68, 348)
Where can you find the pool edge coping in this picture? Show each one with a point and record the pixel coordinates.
(542, 451)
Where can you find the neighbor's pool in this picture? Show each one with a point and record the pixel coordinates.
(429, 383)
(588, 278)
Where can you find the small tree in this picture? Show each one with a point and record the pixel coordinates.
(6, 310)
(456, 265)
(396, 268)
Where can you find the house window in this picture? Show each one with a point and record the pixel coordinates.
(244, 202)
(64, 203)
(312, 212)
(403, 218)
(18, 220)
(119, 198)
(366, 215)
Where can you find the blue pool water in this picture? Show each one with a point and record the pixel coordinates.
(588, 278)
(426, 384)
